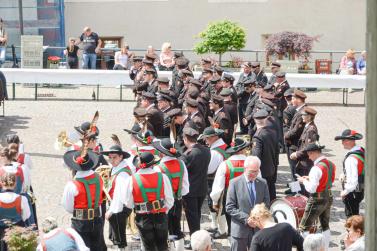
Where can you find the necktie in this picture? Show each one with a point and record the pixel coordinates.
(251, 193)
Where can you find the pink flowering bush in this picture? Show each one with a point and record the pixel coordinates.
(21, 238)
(292, 43)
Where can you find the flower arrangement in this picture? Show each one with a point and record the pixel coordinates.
(54, 59)
(291, 43)
(21, 238)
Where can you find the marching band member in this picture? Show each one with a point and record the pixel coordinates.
(228, 169)
(120, 170)
(150, 194)
(218, 154)
(353, 172)
(83, 196)
(14, 208)
(176, 171)
(318, 184)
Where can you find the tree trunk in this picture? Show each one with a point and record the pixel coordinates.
(220, 54)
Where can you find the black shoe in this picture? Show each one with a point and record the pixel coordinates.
(211, 230)
(217, 235)
(188, 245)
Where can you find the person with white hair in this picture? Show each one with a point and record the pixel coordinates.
(314, 242)
(244, 192)
(55, 238)
(166, 58)
(201, 241)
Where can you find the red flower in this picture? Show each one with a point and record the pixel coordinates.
(232, 144)
(93, 129)
(79, 160)
(216, 125)
(173, 150)
(353, 132)
(149, 139)
(143, 165)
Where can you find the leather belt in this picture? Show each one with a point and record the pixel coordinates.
(86, 214)
(324, 194)
(148, 207)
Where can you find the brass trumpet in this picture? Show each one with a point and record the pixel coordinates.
(62, 141)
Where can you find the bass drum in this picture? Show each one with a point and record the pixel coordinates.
(289, 209)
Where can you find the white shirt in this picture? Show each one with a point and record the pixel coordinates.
(315, 175)
(185, 181)
(219, 110)
(79, 241)
(123, 193)
(121, 58)
(70, 191)
(9, 197)
(27, 159)
(298, 108)
(351, 172)
(149, 107)
(26, 172)
(219, 182)
(216, 157)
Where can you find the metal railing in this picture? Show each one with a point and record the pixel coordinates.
(246, 55)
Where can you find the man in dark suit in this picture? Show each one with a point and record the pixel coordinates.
(308, 136)
(244, 192)
(259, 73)
(275, 67)
(227, 82)
(164, 102)
(266, 148)
(243, 95)
(230, 107)
(194, 115)
(196, 158)
(154, 116)
(294, 132)
(221, 118)
(247, 120)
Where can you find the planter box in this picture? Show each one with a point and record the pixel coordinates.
(289, 66)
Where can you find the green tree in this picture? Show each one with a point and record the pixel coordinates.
(220, 37)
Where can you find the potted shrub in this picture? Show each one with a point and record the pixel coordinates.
(220, 37)
(290, 44)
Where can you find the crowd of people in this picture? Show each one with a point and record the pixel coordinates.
(195, 139)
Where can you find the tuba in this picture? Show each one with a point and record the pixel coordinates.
(105, 172)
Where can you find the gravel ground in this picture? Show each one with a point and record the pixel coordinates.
(39, 122)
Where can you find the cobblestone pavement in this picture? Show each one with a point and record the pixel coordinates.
(39, 122)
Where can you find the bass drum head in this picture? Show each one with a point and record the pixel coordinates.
(283, 212)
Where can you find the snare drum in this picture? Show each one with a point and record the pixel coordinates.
(289, 209)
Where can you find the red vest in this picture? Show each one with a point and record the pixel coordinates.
(221, 149)
(95, 187)
(114, 177)
(148, 188)
(174, 169)
(328, 175)
(14, 204)
(234, 168)
(21, 158)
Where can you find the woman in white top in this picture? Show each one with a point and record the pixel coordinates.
(122, 58)
(166, 58)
